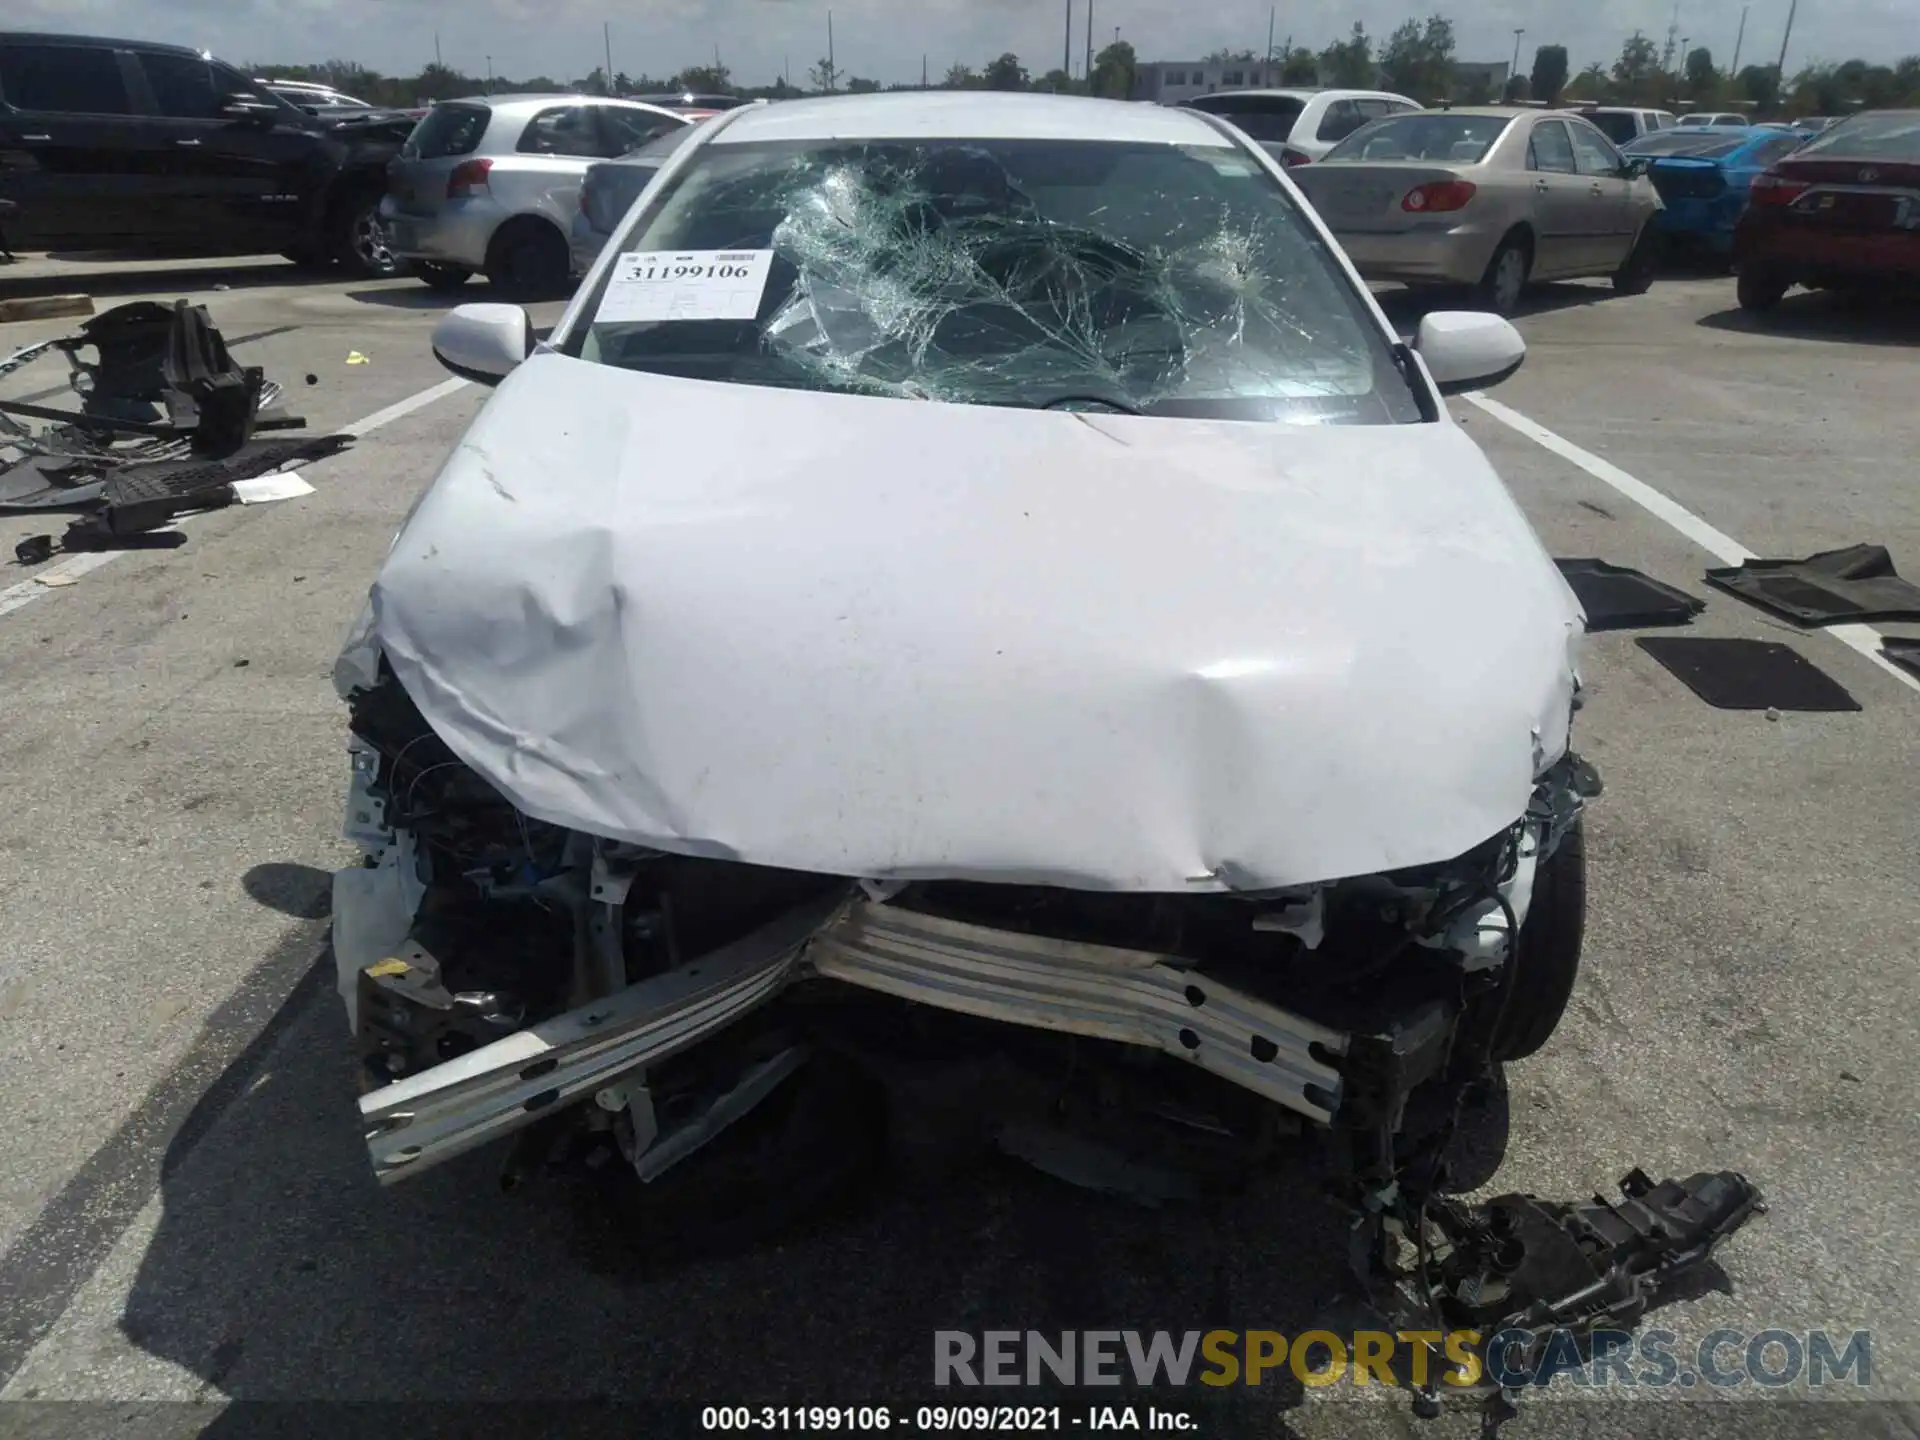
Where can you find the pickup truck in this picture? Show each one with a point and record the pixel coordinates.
(132, 146)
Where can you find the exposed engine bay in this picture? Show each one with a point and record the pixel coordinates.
(506, 975)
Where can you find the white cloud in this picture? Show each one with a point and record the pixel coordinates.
(885, 39)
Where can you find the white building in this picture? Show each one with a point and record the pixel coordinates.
(1168, 82)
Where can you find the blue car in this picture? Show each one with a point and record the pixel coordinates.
(1703, 174)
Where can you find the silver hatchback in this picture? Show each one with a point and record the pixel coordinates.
(490, 184)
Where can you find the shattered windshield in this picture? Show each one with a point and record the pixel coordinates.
(1154, 279)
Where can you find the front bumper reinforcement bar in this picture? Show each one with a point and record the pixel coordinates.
(416, 1122)
(1133, 996)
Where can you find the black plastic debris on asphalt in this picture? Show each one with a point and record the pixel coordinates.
(1832, 587)
(1902, 650)
(167, 422)
(1748, 674)
(1617, 598)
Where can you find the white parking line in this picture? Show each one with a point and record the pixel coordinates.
(24, 593)
(1723, 547)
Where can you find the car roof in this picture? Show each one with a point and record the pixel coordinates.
(512, 104)
(976, 115)
(1302, 94)
(45, 37)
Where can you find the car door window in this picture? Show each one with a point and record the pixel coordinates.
(1591, 152)
(63, 79)
(1372, 109)
(1550, 150)
(1341, 120)
(183, 86)
(629, 129)
(563, 130)
(187, 87)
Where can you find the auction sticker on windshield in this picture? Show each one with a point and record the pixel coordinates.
(685, 285)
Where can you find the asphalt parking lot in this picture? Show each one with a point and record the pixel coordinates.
(186, 1212)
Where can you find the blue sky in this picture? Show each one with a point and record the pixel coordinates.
(885, 39)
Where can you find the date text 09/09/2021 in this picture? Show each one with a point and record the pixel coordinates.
(933, 1419)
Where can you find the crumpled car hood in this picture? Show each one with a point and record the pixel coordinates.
(902, 639)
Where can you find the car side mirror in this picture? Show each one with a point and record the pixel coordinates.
(483, 342)
(242, 106)
(1635, 166)
(1468, 350)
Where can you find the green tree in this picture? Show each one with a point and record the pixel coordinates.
(1300, 67)
(1005, 73)
(1400, 60)
(1348, 63)
(1516, 90)
(1761, 85)
(960, 77)
(439, 82)
(1635, 72)
(1058, 82)
(1230, 57)
(1703, 81)
(1418, 58)
(1549, 73)
(1113, 71)
(859, 85)
(705, 80)
(1590, 84)
(824, 77)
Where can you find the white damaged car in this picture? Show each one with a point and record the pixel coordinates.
(975, 600)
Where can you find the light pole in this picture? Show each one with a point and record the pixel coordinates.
(1513, 70)
(489, 74)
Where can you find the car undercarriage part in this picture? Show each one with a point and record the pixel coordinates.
(1617, 598)
(1832, 587)
(163, 389)
(1902, 650)
(1732, 674)
(602, 998)
(165, 428)
(1520, 1270)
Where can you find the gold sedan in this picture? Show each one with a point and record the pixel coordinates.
(1490, 197)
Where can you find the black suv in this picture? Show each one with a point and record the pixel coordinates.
(126, 145)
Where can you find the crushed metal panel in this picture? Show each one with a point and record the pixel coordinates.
(1132, 996)
(1202, 687)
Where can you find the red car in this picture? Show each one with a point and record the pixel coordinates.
(1842, 212)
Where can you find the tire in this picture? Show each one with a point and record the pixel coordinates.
(1759, 290)
(1505, 280)
(1636, 272)
(1548, 957)
(361, 241)
(529, 259)
(442, 278)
